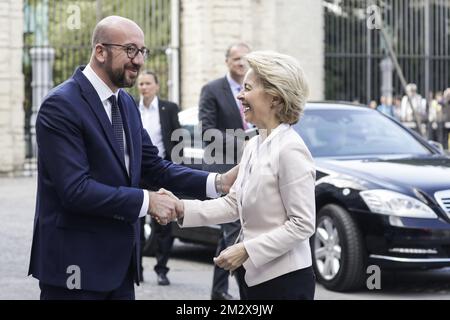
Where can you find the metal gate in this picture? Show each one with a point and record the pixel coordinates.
(57, 36)
(419, 31)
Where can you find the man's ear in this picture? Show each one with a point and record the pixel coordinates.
(100, 53)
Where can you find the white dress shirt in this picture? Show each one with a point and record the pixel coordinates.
(235, 89)
(104, 92)
(151, 122)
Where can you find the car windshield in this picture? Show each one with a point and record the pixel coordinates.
(348, 133)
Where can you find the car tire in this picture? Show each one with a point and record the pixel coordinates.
(149, 248)
(340, 259)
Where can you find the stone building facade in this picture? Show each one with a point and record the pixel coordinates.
(12, 145)
(208, 27)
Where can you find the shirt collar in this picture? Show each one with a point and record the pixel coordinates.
(103, 91)
(153, 104)
(235, 87)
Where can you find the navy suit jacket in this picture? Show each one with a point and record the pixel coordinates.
(87, 204)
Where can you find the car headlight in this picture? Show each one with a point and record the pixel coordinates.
(396, 204)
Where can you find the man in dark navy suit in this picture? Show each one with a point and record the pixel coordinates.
(92, 154)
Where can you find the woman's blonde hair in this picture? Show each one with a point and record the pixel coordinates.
(281, 76)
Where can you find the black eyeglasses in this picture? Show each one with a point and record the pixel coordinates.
(131, 50)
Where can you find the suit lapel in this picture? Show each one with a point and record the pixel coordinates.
(164, 121)
(230, 101)
(91, 96)
(126, 127)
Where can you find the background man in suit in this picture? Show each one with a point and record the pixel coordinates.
(93, 154)
(160, 119)
(220, 110)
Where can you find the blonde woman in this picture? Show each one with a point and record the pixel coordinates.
(273, 195)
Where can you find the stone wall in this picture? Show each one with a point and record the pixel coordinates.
(12, 146)
(208, 27)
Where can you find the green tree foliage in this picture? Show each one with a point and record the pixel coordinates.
(69, 26)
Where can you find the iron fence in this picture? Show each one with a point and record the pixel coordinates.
(419, 32)
(62, 29)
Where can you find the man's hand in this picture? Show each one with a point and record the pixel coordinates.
(232, 257)
(179, 205)
(228, 178)
(162, 207)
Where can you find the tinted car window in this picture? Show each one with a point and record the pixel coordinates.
(331, 133)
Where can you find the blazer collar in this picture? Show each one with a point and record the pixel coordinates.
(274, 134)
(126, 127)
(103, 91)
(92, 97)
(230, 100)
(164, 120)
(232, 83)
(155, 103)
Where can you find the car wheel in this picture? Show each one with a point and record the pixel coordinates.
(150, 239)
(338, 251)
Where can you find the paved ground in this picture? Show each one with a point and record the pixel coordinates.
(17, 197)
(191, 267)
(190, 274)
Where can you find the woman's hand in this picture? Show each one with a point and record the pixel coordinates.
(228, 178)
(232, 257)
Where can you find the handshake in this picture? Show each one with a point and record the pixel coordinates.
(165, 207)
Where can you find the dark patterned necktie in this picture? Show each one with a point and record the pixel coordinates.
(117, 124)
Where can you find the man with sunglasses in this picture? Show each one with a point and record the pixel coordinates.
(93, 155)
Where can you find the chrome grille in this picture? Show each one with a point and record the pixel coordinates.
(443, 198)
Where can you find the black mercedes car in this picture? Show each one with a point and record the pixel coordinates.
(382, 195)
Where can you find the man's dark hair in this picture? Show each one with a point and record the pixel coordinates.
(237, 44)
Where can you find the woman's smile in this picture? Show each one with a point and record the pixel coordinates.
(246, 107)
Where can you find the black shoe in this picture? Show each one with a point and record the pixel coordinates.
(163, 280)
(221, 296)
